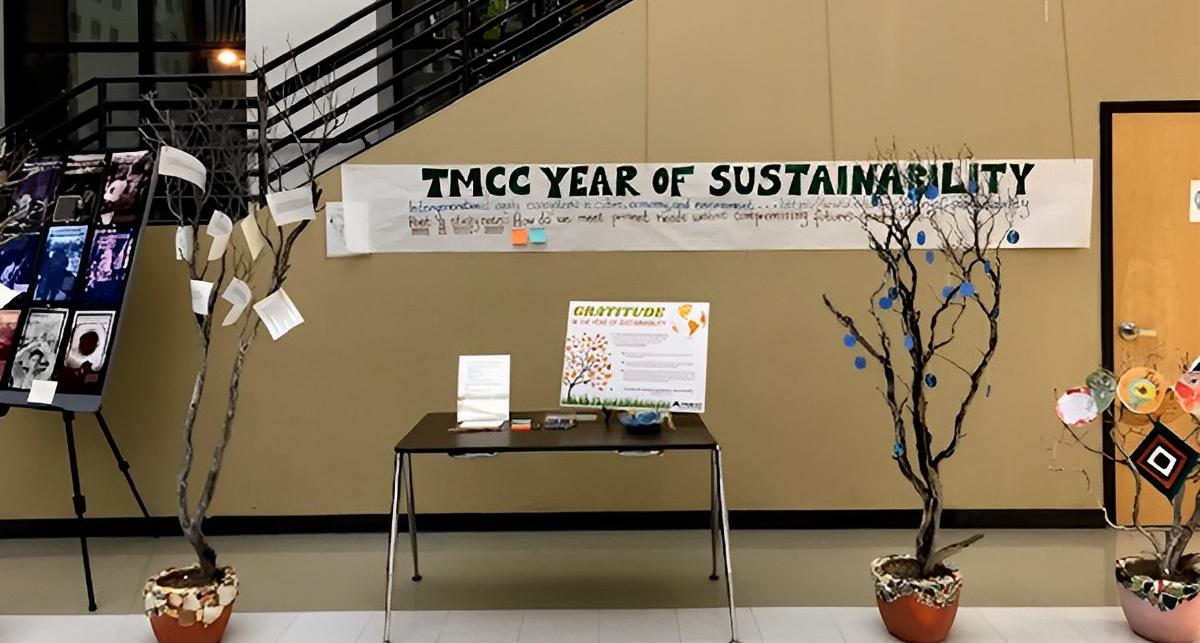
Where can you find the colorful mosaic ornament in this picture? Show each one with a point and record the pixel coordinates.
(190, 605)
(1142, 389)
(1103, 385)
(1164, 460)
(1076, 407)
(941, 591)
(1166, 595)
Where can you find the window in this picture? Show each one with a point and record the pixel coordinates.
(95, 29)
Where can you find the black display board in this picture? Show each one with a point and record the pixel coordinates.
(74, 227)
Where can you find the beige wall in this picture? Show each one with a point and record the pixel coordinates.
(660, 80)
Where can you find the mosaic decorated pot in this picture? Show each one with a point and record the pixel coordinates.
(917, 610)
(1162, 611)
(190, 614)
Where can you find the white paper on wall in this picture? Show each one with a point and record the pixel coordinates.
(291, 206)
(335, 232)
(180, 164)
(184, 240)
(802, 205)
(220, 226)
(236, 293)
(201, 291)
(278, 313)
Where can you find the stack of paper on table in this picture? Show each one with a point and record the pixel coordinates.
(483, 391)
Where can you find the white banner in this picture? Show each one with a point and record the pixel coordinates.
(810, 205)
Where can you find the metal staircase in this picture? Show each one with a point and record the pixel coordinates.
(406, 67)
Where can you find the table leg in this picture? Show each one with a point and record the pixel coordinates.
(733, 635)
(412, 514)
(391, 559)
(714, 515)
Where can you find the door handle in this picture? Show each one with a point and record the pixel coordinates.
(1130, 331)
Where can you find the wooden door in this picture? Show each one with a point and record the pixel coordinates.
(1155, 258)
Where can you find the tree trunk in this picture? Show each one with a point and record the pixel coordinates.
(931, 519)
(205, 555)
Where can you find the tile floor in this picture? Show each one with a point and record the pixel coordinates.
(757, 625)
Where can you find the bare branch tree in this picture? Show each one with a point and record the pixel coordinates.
(915, 219)
(210, 132)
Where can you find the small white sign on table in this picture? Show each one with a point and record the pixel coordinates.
(483, 391)
(636, 355)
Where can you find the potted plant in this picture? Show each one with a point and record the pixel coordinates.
(1155, 434)
(937, 231)
(193, 603)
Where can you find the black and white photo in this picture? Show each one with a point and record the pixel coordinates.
(79, 189)
(16, 261)
(126, 187)
(32, 198)
(87, 351)
(108, 266)
(38, 348)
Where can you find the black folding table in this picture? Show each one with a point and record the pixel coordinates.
(432, 435)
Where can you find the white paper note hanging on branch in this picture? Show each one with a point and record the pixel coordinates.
(220, 226)
(238, 294)
(184, 240)
(255, 241)
(201, 291)
(6, 295)
(42, 392)
(177, 163)
(278, 313)
(291, 206)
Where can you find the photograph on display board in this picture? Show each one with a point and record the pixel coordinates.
(58, 270)
(8, 335)
(85, 359)
(79, 189)
(16, 261)
(38, 349)
(126, 187)
(108, 266)
(31, 199)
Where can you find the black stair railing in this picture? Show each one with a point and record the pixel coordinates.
(412, 64)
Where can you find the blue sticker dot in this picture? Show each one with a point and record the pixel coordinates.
(932, 192)
(948, 291)
(1013, 236)
(930, 380)
(860, 362)
(898, 450)
(885, 303)
(987, 266)
(967, 289)
(849, 341)
(920, 237)
(875, 200)
(972, 186)
(912, 195)
(908, 342)
(929, 256)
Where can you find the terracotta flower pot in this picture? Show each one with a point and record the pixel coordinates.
(181, 614)
(1157, 610)
(917, 610)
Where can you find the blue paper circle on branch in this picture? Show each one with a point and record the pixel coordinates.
(908, 342)
(912, 195)
(987, 266)
(860, 362)
(972, 186)
(920, 237)
(929, 256)
(967, 289)
(930, 380)
(849, 341)
(932, 192)
(885, 303)
(898, 450)
(1013, 236)
(948, 292)
(875, 200)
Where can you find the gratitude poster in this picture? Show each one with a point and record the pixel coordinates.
(786, 205)
(636, 355)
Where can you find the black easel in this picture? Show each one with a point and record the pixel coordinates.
(77, 497)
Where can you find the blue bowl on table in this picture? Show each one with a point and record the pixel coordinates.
(641, 421)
